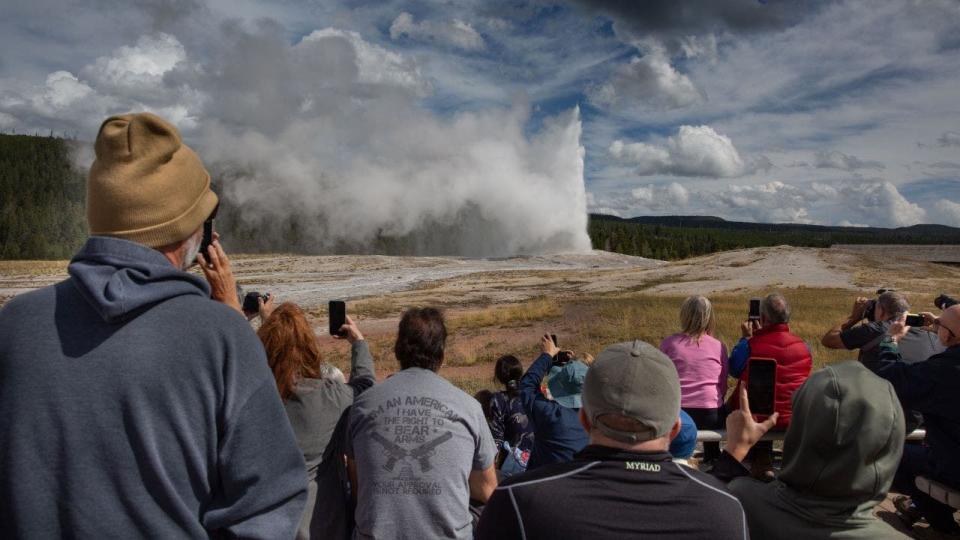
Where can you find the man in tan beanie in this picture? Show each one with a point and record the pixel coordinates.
(133, 404)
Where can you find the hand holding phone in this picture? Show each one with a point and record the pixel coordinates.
(914, 320)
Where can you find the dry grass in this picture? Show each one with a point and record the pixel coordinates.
(521, 314)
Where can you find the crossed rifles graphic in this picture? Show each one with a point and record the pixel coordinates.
(422, 453)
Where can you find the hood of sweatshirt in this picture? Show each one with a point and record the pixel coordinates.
(119, 278)
(845, 440)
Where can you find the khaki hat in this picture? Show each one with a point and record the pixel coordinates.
(636, 381)
(145, 185)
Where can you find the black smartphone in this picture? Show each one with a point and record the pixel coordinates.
(754, 314)
(915, 320)
(208, 233)
(338, 317)
(761, 385)
(251, 302)
(554, 338)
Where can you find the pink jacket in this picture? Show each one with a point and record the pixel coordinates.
(702, 368)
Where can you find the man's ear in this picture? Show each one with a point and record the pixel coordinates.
(675, 430)
(584, 421)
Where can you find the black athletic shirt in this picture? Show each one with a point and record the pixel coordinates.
(610, 493)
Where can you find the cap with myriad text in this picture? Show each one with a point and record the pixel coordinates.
(634, 380)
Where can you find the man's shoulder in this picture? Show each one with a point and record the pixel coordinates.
(548, 473)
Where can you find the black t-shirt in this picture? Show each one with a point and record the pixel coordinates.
(916, 346)
(609, 493)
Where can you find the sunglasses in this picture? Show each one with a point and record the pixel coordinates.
(938, 324)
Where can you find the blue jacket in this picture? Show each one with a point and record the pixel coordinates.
(933, 389)
(133, 405)
(557, 434)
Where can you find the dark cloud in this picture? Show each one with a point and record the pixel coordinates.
(672, 18)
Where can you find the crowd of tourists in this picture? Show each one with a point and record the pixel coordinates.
(138, 401)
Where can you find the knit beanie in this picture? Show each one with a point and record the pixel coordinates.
(145, 185)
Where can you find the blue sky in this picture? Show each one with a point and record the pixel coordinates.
(817, 112)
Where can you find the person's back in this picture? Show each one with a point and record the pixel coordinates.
(557, 433)
(794, 363)
(418, 445)
(607, 493)
(133, 404)
(155, 420)
(702, 367)
(840, 454)
(624, 484)
(315, 397)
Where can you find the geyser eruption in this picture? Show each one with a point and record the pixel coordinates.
(325, 147)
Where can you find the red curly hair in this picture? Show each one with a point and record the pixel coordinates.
(291, 345)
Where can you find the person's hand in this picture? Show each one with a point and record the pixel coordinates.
(351, 332)
(748, 328)
(859, 308)
(547, 345)
(266, 306)
(743, 431)
(928, 320)
(216, 268)
(899, 328)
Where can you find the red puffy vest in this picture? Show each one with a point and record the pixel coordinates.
(793, 366)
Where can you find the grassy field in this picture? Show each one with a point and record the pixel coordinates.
(478, 337)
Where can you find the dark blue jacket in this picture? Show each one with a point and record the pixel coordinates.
(558, 434)
(933, 389)
(134, 406)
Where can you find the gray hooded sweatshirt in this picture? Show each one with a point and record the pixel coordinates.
(134, 406)
(840, 454)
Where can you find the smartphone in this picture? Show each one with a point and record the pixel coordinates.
(208, 232)
(554, 338)
(754, 310)
(338, 317)
(761, 385)
(251, 301)
(915, 320)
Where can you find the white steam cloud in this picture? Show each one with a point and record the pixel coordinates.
(326, 140)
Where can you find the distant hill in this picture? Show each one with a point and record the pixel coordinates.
(678, 237)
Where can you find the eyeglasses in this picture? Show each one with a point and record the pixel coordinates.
(938, 324)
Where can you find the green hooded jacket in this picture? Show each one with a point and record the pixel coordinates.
(840, 453)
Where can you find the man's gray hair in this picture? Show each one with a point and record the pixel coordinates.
(893, 303)
(775, 309)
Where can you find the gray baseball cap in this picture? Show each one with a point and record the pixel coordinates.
(637, 381)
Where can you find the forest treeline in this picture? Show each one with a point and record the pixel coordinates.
(42, 217)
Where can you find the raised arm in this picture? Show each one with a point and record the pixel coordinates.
(530, 382)
(362, 372)
(911, 382)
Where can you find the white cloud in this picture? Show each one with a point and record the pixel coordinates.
(646, 82)
(947, 212)
(456, 33)
(145, 62)
(838, 160)
(673, 197)
(693, 151)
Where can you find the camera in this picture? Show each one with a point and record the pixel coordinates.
(943, 301)
(251, 302)
(872, 303)
(562, 358)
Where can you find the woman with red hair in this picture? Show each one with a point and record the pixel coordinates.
(315, 404)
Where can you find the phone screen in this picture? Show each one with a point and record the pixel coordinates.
(338, 316)
(761, 385)
(754, 309)
(554, 338)
(914, 320)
